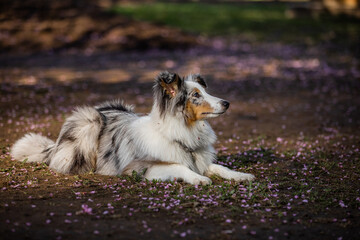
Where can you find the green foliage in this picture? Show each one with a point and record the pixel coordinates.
(137, 177)
(203, 18)
(262, 21)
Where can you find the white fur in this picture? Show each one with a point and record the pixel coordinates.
(111, 139)
(176, 171)
(215, 169)
(30, 148)
(156, 138)
(214, 102)
(62, 160)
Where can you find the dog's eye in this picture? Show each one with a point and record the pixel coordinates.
(196, 94)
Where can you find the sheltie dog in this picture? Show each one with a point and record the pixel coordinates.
(174, 141)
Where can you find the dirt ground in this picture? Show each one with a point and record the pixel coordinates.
(41, 26)
(293, 123)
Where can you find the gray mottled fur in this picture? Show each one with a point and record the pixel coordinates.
(111, 139)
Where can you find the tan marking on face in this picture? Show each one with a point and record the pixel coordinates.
(196, 112)
(197, 90)
(171, 88)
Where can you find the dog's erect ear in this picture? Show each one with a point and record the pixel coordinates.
(199, 79)
(170, 82)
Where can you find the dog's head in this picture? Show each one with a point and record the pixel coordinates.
(186, 97)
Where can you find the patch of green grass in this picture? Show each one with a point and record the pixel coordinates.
(204, 18)
(263, 21)
(41, 166)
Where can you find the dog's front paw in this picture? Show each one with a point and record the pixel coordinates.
(241, 177)
(201, 181)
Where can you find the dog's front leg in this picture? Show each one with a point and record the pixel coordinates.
(224, 172)
(175, 171)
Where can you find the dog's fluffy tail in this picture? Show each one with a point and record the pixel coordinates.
(32, 148)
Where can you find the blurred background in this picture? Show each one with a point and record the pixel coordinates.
(32, 26)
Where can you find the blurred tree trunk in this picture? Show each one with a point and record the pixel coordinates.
(314, 8)
(350, 7)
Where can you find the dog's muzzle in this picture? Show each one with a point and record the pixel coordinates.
(225, 104)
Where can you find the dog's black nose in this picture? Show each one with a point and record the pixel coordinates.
(226, 104)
